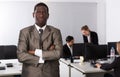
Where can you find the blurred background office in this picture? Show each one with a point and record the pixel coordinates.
(102, 16)
(67, 16)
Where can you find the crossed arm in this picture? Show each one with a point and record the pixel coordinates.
(52, 47)
(24, 55)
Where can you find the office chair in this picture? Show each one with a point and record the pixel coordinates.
(10, 52)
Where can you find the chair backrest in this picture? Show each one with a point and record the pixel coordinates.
(2, 52)
(10, 51)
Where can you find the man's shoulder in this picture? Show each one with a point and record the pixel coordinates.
(28, 28)
(64, 45)
(93, 32)
(52, 28)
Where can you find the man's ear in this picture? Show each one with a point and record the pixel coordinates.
(33, 14)
(48, 16)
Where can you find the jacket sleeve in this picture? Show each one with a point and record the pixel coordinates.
(57, 52)
(85, 39)
(106, 66)
(65, 52)
(22, 51)
(95, 38)
(113, 65)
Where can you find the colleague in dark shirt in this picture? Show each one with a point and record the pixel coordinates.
(67, 48)
(114, 65)
(88, 35)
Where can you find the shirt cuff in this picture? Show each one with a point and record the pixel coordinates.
(38, 52)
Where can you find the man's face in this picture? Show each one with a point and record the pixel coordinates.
(118, 48)
(41, 15)
(71, 42)
(85, 32)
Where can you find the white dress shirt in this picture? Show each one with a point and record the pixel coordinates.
(89, 39)
(38, 52)
(70, 48)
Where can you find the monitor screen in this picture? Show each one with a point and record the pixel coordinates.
(1, 52)
(94, 52)
(78, 49)
(110, 45)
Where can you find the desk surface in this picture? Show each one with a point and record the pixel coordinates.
(15, 70)
(67, 62)
(84, 68)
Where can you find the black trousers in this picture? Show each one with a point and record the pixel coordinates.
(17, 75)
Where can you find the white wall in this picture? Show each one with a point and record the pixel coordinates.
(14, 15)
(67, 16)
(113, 20)
(70, 16)
(101, 21)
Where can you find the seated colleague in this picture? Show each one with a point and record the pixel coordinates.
(114, 65)
(67, 48)
(89, 36)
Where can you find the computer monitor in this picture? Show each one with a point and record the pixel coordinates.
(1, 52)
(78, 49)
(110, 45)
(94, 52)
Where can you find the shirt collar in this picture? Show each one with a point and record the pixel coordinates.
(68, 45)
(88, 35)
(37, 27)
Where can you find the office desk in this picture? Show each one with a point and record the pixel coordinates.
(85, 70)
(10, 71)
(89, 71)
(65, 68)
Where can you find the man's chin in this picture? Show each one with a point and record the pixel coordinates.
(41, 24)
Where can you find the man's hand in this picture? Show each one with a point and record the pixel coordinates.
(31, 52)
(98, 65)
(52, 47)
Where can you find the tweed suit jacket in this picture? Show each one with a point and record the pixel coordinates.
(29, 39)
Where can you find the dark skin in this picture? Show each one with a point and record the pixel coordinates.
(41, 15)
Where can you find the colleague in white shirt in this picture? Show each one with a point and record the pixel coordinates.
(89, 36)
(67, 48)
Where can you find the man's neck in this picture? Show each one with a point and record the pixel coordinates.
(69, 45)
(40, 25)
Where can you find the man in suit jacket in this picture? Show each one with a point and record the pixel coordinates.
(67, 48)
(39, 51)
(89, 36)
(114, 65)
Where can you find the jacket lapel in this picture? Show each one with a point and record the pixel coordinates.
(46, 33)
(35, 32)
